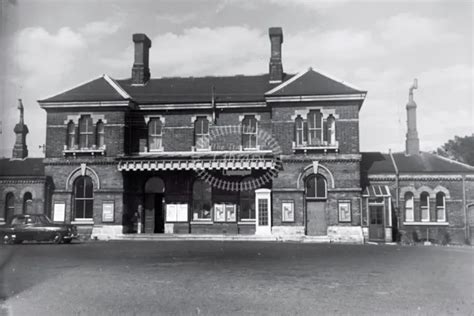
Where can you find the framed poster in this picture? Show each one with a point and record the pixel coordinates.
(107, 212)
(219, 212)
(230, 212)
(171, 212)
(59, 212)
(288, 211)
(344, 208)
(182, 213)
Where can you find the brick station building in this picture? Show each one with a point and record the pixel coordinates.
(275, 154)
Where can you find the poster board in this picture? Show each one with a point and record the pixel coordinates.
(182, 213)
(288, 211)
(230, 212)
(59, 212)
(171, 212)
(219, 212)
(176, 213)
(108, 210)
(344, 208)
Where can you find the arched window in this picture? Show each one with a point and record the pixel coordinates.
(86, 132)
(299, 131)
(202, 200)
(27, 203)
(83, 198)
(440, 207)
(9, 207)
(315, 128)
(155, 134)
(316, 186)
(425, 207)
(249, 132)
(247, 199)
(201, 133)
(331, 124)
(100, 134)
(71, 135)
(409, 211)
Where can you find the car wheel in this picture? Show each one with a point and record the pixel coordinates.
(67, 241)
(17, 242)
(58, 238)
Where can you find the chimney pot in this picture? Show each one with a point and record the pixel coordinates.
(276, 67)
(141, 69)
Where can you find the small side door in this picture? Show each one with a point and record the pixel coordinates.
(376, 227)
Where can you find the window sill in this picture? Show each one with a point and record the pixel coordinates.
(322, 147)
(194, 148)
(79, 221)
(84, 151)
(201, 222)
(247, 222)
(425, 223)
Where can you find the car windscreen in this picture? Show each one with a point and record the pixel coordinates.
(18, 221)
(43, 219)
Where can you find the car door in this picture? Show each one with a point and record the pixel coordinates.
(19, 228)
(29, 229)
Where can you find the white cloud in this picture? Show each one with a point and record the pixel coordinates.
(176, 19)
(99, 29)
(206, 51)
(45, 56)
(318, 47)
(408, 29)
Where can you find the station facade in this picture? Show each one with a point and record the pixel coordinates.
(274, 155)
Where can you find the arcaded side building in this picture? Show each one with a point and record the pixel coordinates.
(275, 154)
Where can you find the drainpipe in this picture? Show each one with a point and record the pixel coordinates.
(466, 224)
(397, 190)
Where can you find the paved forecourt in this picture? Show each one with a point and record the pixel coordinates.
(233, 277)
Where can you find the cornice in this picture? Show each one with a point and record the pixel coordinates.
(22, 179)
(62, 161)
(320, 158)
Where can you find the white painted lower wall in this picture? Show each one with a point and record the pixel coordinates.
(346, 234)
(288, 232)
(106, 232)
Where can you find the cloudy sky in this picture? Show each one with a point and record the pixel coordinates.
(50, 46)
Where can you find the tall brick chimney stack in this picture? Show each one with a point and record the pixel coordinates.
(20, 150)
(276, 67)
(141, 69)
(412, 142)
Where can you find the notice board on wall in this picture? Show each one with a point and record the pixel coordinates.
(59, 212)
(107, 212)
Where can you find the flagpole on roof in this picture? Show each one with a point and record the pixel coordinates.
(213, 102)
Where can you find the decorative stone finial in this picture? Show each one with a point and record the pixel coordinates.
(412, 142)
(20, 150)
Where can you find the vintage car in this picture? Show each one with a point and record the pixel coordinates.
(36, 227)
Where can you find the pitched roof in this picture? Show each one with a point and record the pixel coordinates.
(32, 167)
(424, 163)
(100, 89)
(311, 82)
(199, 89)
(227, 89)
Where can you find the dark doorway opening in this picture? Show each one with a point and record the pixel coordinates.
(159, 214)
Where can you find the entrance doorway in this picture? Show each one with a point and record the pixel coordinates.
(316, 218)
(154, 210)
(316, 201)
(376, 219)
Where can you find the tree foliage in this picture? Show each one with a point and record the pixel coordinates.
(459, 148)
